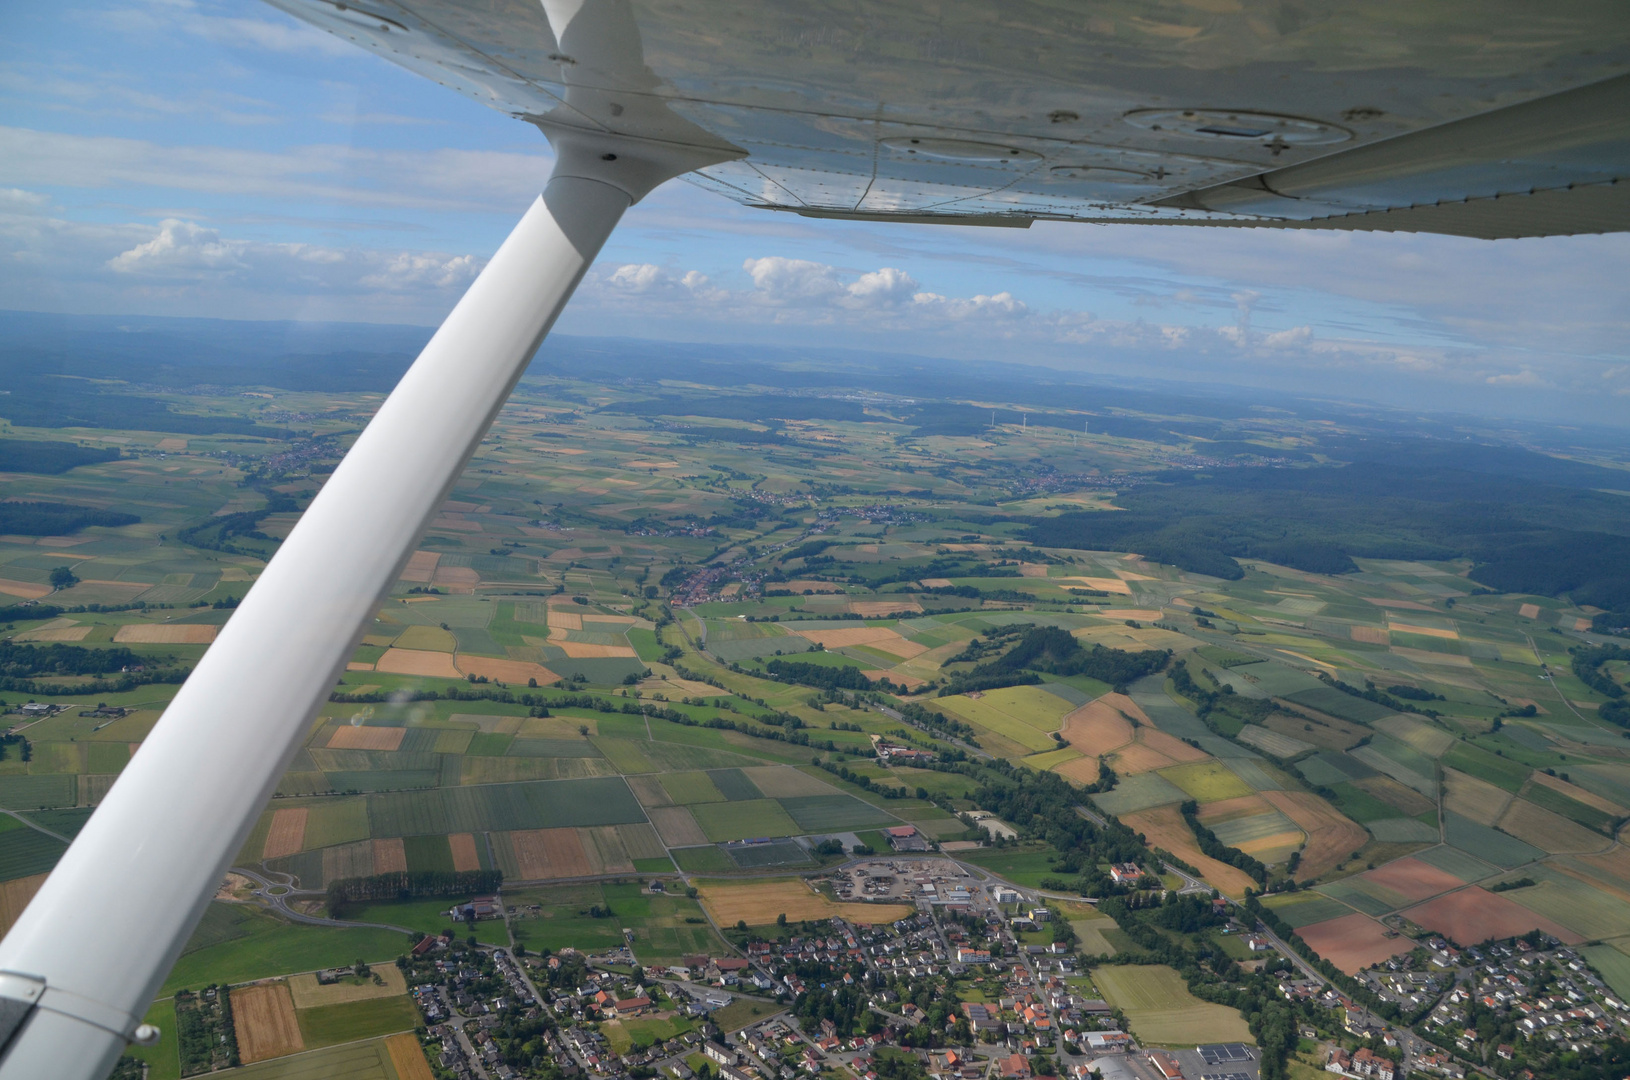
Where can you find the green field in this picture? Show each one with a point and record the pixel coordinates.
(1305, 909)
(428, 915)
(734, 785)
(1613, 965)
(25, 852)
(504, 807)
(1206, 781)
(428, 853)
(352, 1061)
(1020, 866)
(1160, 1010)
(262, 945)
(328, 1025)
(1500, 771)
(743, 820)
(34, 792)
(686, 788)
(703, 860)
(832, 813)
(664, 865)
(743, 1012)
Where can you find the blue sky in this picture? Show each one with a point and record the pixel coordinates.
(189, 157)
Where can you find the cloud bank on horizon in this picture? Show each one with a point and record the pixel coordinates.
(193, 157)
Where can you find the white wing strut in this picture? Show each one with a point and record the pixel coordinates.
(80, 968)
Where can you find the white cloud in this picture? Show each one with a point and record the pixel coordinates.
(181, 249)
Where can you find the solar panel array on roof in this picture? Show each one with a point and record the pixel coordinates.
(1220, 1053)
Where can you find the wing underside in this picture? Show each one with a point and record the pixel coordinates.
(1488, 120)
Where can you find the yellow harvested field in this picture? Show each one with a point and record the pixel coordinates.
(407, 1057)
(874, 608)
(1473, 798)
(506, 671)
(1549, 832)
(1373, 635)
(1331, 835)
(1425, 631)
(876, 636)
(58, 633)
(308, 993)
(1141, 614)
(170, 445)
(25, 589)
(287, 834)
(1032, 569)
(1102, 584)
(1429, 740)
(465, 854)
(1582, 624)
(362, 737)
(1275, 847)
(759, 902)
(437, 665)
(14, 897)
(1098, 726)
(1579, 794)
(357, 665)
(550, 853)
(1083, 770)
(263, 1017)
(676, 826)
(785, 782)
(427, 638)
(420, 566)
(1164, 827)
(564, 620)
(171, 634)
(1529, 611)
(390, 855)
(578, 650)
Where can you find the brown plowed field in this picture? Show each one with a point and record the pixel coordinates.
(1097, 728)
(1474, 798)
(605, 850)
(1578, 794)
(1229, 809)
(390, 856)
(874, 608)
(361, 737)
(1408, 801)
(758, 903)
(1327, 731)
(287, 834)
(550, 853)
(174, 634)
(1372, 635)
(1353, 942)
(1549, 832)
(1413, 880)
(407, 1058)
(14, 897)
(1083, 770)
(1164, 827)
(420, 566)
(1138, 758)
(1473, 914)
(418, 662)
(465, 854)
(676, 826)
(1331, 835)
(649, 791)
(509, 671)
(263, 1017)
(1170, 745)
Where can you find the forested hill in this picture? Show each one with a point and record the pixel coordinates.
(1530, 522)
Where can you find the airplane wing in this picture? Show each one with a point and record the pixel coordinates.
(1478, 119)
(1499, 118)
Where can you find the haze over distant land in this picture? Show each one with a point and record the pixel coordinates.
(221, 160)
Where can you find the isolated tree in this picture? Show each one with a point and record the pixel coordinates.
(62, 578)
